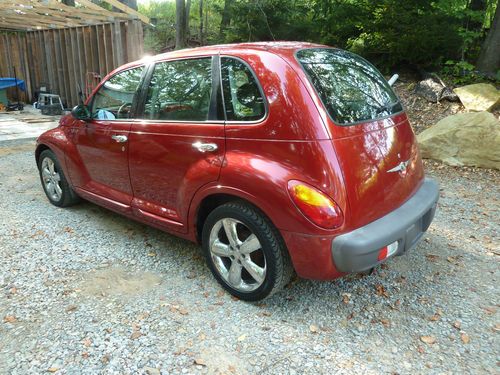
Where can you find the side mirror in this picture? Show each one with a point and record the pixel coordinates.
(393, 79)
(81, 112)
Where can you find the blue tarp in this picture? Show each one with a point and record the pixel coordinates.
(11, 82)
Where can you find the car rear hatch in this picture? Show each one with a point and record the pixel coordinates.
(373, 139)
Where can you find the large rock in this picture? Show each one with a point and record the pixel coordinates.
(478, 97)
(471, 139)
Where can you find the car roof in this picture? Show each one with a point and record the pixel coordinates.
(283, 48)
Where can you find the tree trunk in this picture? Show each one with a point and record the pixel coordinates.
(188, 10)
(180, 19)
(226, 17)
(489, 58)
(201, 22)
(476, 6)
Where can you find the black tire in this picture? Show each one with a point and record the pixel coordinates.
(67, 197)
(279, 269)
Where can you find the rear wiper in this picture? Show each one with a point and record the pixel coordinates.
(386, 107)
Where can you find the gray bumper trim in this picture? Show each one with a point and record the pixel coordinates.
(358, 250)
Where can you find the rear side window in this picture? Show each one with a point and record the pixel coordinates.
(243, 99)
(114, 99)
(351, 89)
(180, 91)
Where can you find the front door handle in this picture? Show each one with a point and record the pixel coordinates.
(119, 138)
(205, 147)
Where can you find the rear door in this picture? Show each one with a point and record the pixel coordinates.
(177, 145)
(103, 143)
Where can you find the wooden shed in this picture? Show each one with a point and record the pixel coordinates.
(64, 49)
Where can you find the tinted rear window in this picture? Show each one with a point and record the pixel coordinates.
(351, 89)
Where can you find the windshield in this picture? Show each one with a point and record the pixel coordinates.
(351, 89)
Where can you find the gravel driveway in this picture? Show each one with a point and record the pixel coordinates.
(84, 290)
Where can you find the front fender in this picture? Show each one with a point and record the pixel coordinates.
(58, 142)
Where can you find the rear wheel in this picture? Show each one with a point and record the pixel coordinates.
(54, 182)
(245, 252)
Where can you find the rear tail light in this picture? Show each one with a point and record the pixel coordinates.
(315, 205)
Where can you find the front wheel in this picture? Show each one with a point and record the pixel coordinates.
(245, 252)
(54, 182)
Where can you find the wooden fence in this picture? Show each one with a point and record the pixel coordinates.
(60, 59)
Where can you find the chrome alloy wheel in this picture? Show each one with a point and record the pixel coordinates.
(51, 179)
(237, 255)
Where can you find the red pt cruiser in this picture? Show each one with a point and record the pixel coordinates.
(276, 157)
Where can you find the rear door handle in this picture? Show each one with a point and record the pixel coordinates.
(119, 138)
(205, 147)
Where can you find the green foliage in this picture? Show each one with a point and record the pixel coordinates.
(421, 33)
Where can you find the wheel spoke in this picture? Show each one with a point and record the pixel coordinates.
(50, 164)
(45, 173)
(50, 188)
(230, 229)
(57, 177)
(220, 249)
(58, 190)
(258, 273)
(234, 276)
(250, 244)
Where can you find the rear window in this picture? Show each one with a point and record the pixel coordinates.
(351, 89)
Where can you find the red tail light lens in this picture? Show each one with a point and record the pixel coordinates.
(315, 205)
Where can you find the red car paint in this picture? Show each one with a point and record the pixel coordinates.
(158, 178)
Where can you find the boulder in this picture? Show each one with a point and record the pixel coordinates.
(478, 97)
(471, 139)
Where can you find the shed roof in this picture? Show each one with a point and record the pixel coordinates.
(50, 14)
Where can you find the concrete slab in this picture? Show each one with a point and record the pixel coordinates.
(29, 123)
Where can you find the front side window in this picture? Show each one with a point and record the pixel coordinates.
(351, 89)
(115, 97)
(180, 91)
(242, 97)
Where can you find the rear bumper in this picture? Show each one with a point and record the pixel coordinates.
(358, 250)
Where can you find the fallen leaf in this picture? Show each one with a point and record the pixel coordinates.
(242, 337)
(9, 319)
(200, 361)
(71, 308)
(420, 349)
(385, 322)
(428, 339)
(381, 290)
(346, 297)
(489, 310)
(53, 369)
(183, 311)
(105, 359)
(435, 317)
(313, 328)
(135, 335)
(496, 327)
(465, 338)
(432, 257)
(457, 324)
(87, 342)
